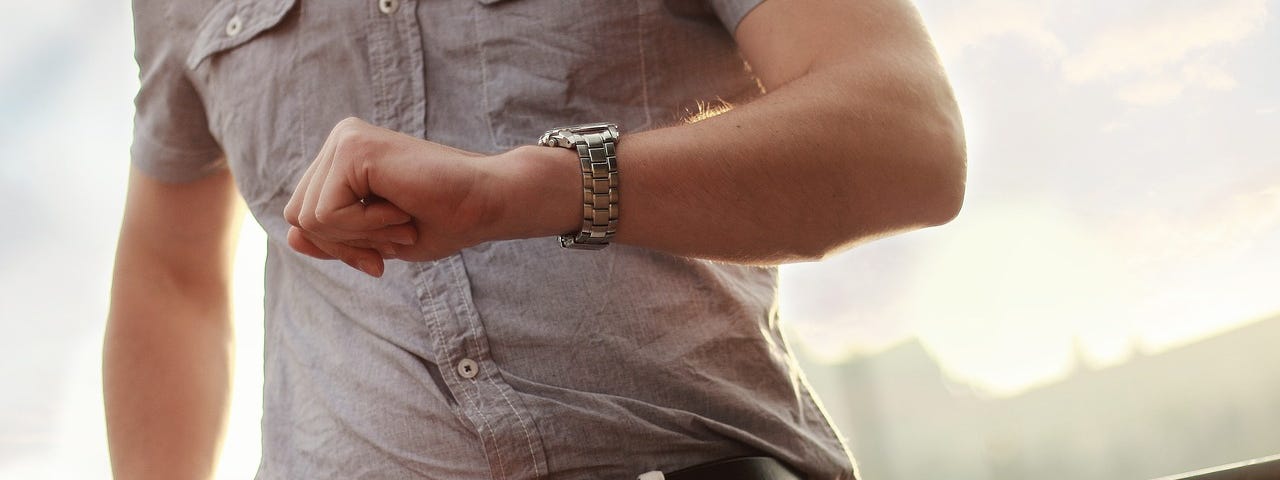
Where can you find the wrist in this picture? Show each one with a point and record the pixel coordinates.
(539, 192)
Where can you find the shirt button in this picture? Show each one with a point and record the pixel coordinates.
(467, 368)
(234, 25)
(388, 6)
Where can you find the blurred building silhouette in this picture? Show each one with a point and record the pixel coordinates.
(1212, 402)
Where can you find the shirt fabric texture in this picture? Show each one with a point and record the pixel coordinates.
(511, 359)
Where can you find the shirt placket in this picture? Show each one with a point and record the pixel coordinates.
(484, 399)
(502, 423)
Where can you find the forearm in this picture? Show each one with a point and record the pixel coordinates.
(168, 348)
(826, 161)
(166, 379)
(818, 165)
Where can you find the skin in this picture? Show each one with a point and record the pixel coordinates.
(859, 137)
(169, 348)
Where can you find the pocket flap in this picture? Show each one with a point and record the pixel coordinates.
(231, 23)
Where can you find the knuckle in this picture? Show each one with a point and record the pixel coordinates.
(353, 138)
(326, 217)
(308, 222)
(350, 144)
(348, 124)
(342, 133)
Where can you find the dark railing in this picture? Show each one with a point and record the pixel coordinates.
(1266, 468)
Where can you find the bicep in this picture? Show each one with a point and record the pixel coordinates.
(185, 231)
(784, 40)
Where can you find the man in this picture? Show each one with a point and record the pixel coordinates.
(486, 349)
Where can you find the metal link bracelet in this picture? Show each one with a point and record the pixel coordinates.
(596, 146)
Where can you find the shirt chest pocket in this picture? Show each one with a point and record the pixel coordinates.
(550, 62)
(243, 63)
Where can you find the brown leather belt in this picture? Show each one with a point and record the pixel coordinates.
(743, 468)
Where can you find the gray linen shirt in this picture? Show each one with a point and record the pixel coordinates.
(508, 360)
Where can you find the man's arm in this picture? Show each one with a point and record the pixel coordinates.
(858, 137)
(168, 351)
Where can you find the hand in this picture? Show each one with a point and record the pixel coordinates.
(373, 193)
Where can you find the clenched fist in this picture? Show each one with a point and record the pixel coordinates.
(373, 193)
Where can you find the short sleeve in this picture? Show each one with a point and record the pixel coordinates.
(171, 139)
(731, 12)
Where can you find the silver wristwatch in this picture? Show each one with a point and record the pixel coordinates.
(595, 144)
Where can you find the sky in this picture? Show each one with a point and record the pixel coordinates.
(1124, 198)
(1123, 195)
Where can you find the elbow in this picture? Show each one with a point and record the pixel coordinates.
(936, 199)
(942, 169)
(915, 180)
(947, 188)
(930, 145)
(931, 195)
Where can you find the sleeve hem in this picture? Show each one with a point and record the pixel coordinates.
(732, 12)
(173, 165)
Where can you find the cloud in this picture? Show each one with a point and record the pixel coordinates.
(1002, 300)
(1158, 57)
(1207, 265)
(1155, 43)
(850, 304)
(1149, 52)
(1208, 76)
(1165, 89)
(1224, 227)
(1156, 91)
(957, 27)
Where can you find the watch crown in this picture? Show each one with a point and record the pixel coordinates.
(555, 138)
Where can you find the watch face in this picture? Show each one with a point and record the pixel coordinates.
(563, 136)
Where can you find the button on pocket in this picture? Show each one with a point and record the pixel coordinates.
(230, 24)
(242, 62)
(467, 368)
(388, 6)
(234, 25)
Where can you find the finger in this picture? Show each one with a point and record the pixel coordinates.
(293, 209)
(404, 234)
(325, 167)
(301, 244)
(358, 216)
(366, 260)
(307, 218)
(339, 193)
(340, 202)
(355, 256)
(384, 214)
(387, 250)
